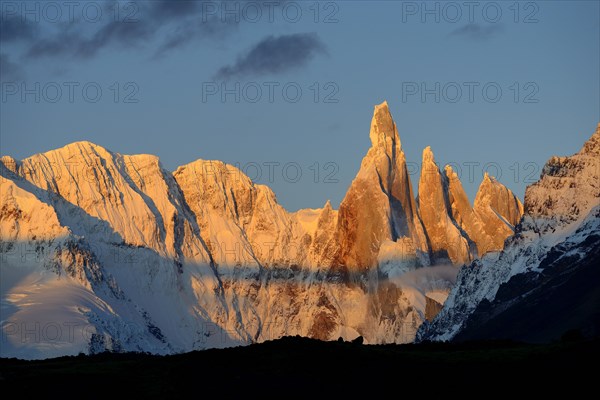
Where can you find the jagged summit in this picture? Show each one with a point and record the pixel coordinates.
(383, 131)
(568, 187)
(383, 104)
(450, 173)
(458, 232)
(492, 193)
(428, 155)
(489, 180)
(592, 145)
(447, 242)
(10, 163)
(379, 206)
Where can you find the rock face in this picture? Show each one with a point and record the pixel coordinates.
(320, 225)
(447, 241)
(544, 282)
(432, 308)
(568, 187)
(456, 232)
(493, 218)
(241, 223)
(379, 207)
(499, 211)
(141, 259)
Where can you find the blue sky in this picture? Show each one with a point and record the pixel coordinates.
(170, 58)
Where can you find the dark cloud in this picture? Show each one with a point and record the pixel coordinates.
(9, 71)
(73, 43)
(161, 25)
(14, 28)
(55, 45)
(180, 21)
(174, 8)
(476, 31)
(275, 54)
(115, 33)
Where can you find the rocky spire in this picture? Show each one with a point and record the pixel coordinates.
(464, 215)
(446, 240)
(379, 205)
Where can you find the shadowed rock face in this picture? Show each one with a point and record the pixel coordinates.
(432, 308)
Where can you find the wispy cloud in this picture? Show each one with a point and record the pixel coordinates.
(475, 31)
(275, 54)
(71, 42)
(190, 30)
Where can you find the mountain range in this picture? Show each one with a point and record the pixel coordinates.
(104, 251)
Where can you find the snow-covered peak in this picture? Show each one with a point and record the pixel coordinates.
(216, 172)
(568, 187)
(129, 199)
(82, 148)
(26, 216)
